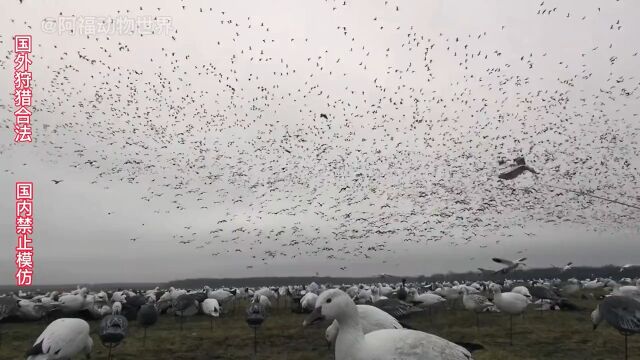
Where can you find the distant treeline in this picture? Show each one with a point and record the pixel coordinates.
(581, 272)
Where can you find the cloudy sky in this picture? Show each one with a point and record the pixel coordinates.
(341, 138)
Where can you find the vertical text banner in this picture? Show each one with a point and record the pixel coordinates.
(22, 129)
(22, 85)
(24, 230)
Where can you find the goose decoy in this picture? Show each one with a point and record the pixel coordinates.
(402, 292)
(113, 328)
(183, 303)
(8, 307)
(147, 316)
(622, 313)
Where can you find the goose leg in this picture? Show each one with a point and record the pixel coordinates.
(511, 330)
(626, 348)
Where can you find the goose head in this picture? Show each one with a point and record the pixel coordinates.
(333, 305)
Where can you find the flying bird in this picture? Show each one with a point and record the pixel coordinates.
(509, 266)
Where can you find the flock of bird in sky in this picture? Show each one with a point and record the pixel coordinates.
(342, 147)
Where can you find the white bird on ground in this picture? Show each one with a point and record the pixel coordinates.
(628, 291)
(174, 293)
(62, 339)
(425, 300)
(522, 290)
(116, 308)
(353, 344)
(221, 295)
(72, 303)
(384, 290)
(510, 303)
(211, 307)
(593, 284)
(571, 287)
(263, 300)
(308, 301)
(371, 319)
(375, 294)
(29, 310)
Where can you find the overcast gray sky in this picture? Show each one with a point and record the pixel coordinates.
(216, 125)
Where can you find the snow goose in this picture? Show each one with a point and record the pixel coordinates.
(263, 300)
(622, 313)
(387, 344)
(384, 290)
(522, 290)
(211, 307)
(29, 310)
(628, 291)
(62, 339)
(223, 297)
(509, 266)
(424, 301)
(510, 303)
(72, 303)
(308, 301)
(371, 319)
(375, 295)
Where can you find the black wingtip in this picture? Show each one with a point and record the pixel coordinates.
(35, 350)
(471, 347)
(406, 326)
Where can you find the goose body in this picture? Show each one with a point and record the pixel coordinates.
(211, 307)
(62, 339)
(387, 344)
(371, 319)
(308, 301)
(424, 300)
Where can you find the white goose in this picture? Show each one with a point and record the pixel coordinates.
(62, 339)
(388, 344)
(212, 308)
(308, 301)
(72, 303)
(510, 303)
(371, 319)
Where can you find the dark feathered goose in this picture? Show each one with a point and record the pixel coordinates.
(622, 313)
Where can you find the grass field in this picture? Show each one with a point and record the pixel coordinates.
(552, 335)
